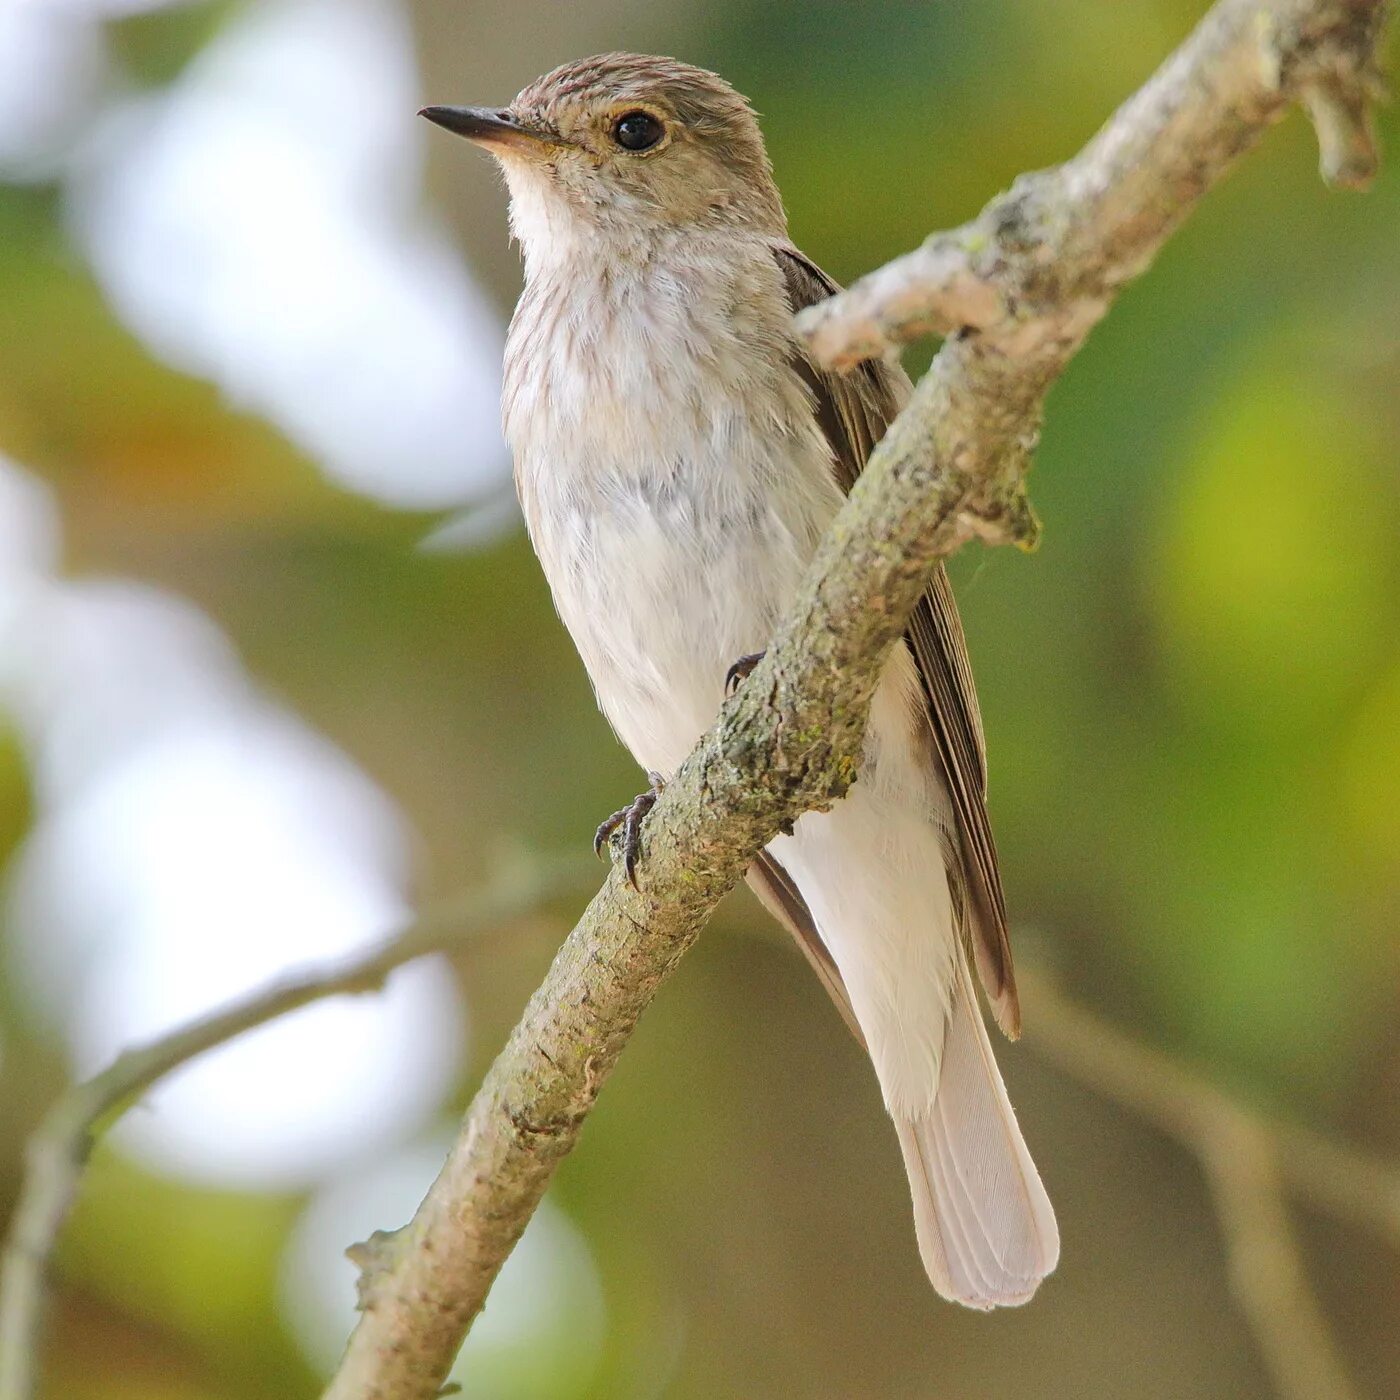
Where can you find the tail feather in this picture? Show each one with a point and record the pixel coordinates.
(985, 1226)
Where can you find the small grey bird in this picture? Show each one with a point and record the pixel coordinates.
(677, 457)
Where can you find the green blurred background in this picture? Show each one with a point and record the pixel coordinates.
(250, 322)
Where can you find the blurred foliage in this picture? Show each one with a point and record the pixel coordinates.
(1192, 696)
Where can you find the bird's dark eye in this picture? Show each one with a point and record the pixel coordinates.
(637, 131)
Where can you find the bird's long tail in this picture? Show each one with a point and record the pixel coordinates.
(985, 1226)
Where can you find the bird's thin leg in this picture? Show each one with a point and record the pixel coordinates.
(630, 819)
(740, 671)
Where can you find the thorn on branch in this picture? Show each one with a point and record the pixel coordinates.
(372, 1257)
(1021, 524)
(1001, 512)
(1010, 521)
(1339, 107)
(1336, 78)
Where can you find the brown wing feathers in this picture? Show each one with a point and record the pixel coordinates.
(854, 411)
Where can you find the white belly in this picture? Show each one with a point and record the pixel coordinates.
(662, 591)
(672, 473)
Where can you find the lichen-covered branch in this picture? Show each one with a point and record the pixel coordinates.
(1042, 263)
(1023, 286)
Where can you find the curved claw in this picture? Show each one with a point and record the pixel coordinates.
(741, 670)
(606, 827)
(630, 819)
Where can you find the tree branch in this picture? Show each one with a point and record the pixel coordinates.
(57, 1153)
(1042, 263)
(1030, 277)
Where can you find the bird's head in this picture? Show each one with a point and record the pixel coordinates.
(624, 146)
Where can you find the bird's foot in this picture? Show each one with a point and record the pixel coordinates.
(740, 671)
(629, 818)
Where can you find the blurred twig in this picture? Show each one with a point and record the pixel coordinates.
(58, 1151)
(1337, 1179)
(1249, 1160)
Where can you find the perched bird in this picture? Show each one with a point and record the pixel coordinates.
(677, 457)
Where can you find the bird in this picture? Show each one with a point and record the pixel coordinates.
(678, 455)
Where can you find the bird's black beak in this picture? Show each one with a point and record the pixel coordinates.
(489, 127)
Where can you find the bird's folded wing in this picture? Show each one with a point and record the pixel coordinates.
(772, 884)
(854, 410)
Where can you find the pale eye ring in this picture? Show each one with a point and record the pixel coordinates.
(637, 131)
